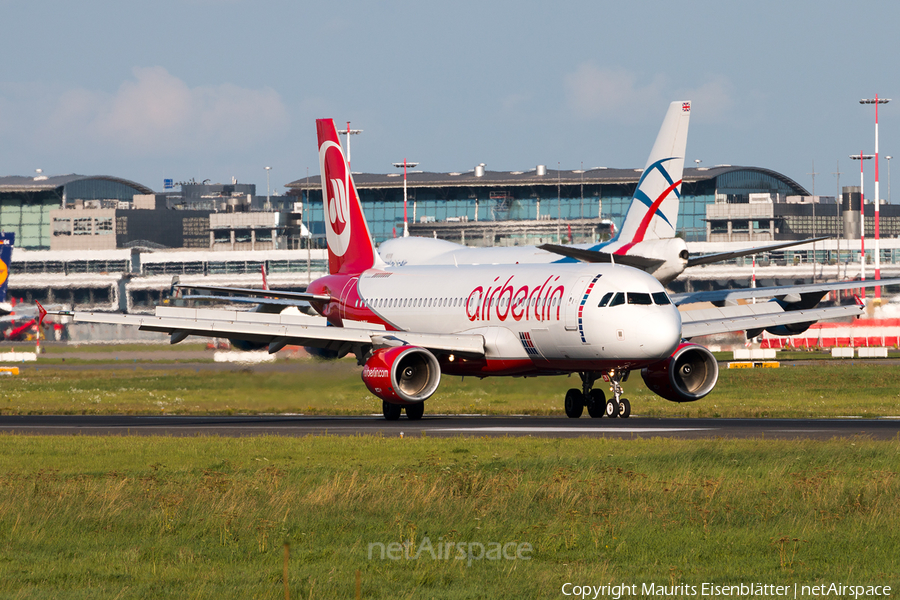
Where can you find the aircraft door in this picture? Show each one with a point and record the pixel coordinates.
(348, 294)
(576, 300)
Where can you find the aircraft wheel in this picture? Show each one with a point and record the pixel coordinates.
(612, 408)
(624, 408)
(414, 412)
(574, 403)
(391, 411)
(596, 404)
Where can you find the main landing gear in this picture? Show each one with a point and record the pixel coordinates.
(595, 401)
(392, 411)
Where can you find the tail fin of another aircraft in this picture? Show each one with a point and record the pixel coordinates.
(351, 249)
(6, 246)
(654, 208)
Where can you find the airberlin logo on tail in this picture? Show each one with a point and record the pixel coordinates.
(337, 197)
(338, 206)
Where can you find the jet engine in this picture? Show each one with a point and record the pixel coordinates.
(402, 375)
(781, 330)
(689, 374)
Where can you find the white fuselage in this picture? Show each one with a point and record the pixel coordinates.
(547, 315)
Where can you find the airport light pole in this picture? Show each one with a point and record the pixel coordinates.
(889, 157)
(862, 212)
(268, 193)
(876, 101)
(348, 132)
(411, 165)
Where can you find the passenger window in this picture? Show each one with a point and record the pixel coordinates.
(639, 298)
(661, 298)
(605, 299)
(618, 299)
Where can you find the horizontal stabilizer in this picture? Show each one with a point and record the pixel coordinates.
(283, 302)
(259, 293)
(595, 256)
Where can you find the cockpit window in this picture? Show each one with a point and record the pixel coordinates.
(618, 299)
(661, 298)
(605, 300)
(639, 298)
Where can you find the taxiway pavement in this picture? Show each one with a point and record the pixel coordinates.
(448, 425)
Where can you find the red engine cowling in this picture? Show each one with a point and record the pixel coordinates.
(689, 374)
(402, 375)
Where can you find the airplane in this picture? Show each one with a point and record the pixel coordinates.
(17, 321)
(6, 246)
(645, 241)
(410, 325)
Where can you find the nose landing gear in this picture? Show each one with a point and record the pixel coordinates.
(617, 406)
(595, 400)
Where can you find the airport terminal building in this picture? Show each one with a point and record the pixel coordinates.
(109, 241)
(479, 207)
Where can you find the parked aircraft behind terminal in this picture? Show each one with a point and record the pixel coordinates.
(645, 241)
(409, 325)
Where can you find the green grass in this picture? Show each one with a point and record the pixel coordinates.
(138, 517)
(825, 389)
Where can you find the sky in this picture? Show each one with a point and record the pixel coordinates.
(221, 89)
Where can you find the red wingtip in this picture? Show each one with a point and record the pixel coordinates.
(42, 312)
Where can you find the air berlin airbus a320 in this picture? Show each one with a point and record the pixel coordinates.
(408, 325)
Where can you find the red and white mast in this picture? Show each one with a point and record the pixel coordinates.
(876, 101)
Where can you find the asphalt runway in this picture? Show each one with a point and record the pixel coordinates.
(449, 426)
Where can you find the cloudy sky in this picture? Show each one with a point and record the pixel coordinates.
(215, 89)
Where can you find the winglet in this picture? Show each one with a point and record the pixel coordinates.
(42, 312)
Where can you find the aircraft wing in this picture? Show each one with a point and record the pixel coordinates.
(756, 316)
(258, 293)
(595, 256)
(280, 330)
(720, 256)
(732, 295)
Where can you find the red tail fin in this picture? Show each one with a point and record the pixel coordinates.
(350, 246)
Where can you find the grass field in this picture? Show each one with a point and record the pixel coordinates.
(140, 517)
(822, 389)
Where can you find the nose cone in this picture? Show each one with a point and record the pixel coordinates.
(660, 332)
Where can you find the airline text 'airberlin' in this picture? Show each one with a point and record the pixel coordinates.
(506, 301)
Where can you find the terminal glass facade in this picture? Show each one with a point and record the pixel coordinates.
(28, 216)
(384, 208)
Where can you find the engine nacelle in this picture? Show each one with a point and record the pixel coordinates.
(402, 375)
(790, 329)
(689, 374)
(245, 346)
